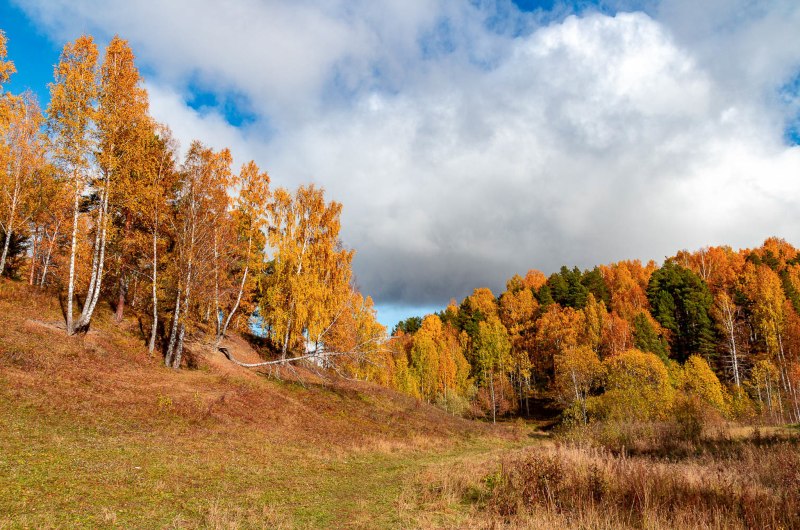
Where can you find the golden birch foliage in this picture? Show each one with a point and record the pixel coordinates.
(6, 66)
(777, 251)
(72, 108)
(763, 287)
(201, 201)
(637, 387)
(122, 120)
(578, 371)
(405, 380)
(558, 330)
(594, 318)
(358, 335)
(534, 279)
(493, 348)
(437, 357)
(617, 336)
(310, 275)
(699, 380)
(518, 312)
(764, 383)
(247, 240)
(482, 300)
(26, 161)
(720, 267)
(6, 70)
(425, 356)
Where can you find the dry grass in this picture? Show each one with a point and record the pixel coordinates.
(745, 483)
(95, 433)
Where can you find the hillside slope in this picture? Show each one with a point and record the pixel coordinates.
(97, 433)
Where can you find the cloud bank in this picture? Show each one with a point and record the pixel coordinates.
(471, 141)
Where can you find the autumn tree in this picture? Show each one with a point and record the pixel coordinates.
(70, 114)
(249, 218)
(578, 371)
(637, 387)
(51, 210)
(6, 70)
(558, 330)
(492, 348)
(355, 342)
(770, 311)
(727, 316)
(310, 274)
(438, 361)
(517, 311)
(627, 283)
(202, 196)
(158, 183)
(123, 130)
(765, 384)
(25, 160)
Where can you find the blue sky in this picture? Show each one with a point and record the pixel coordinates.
(469, 141)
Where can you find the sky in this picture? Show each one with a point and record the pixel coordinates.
(472, 140)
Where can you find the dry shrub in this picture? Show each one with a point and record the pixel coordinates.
(758, 487)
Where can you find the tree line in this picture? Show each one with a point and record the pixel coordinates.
(98, 205)
(716, 326)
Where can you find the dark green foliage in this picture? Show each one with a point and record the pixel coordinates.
(468, 319)
(17, 248)
(408, 326)
(790, 291)
(593, 280)
(681, 302)
(571, 287)
(567, 289)
(544, 297)
(646, 339)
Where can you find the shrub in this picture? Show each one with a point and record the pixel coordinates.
(637, 388)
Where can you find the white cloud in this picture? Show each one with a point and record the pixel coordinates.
(464, 154)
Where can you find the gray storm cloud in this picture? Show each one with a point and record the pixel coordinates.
(471, 143)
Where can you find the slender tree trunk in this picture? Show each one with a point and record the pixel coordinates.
(176, 363)
(730, 327)
(49, 253)
(97, 269)
(179, 348)
(34, 249)
(154, 329)
(221, 333)
(173, 334)
(494, 407)
(10, 225)
(122, 286)
(217, 323)
(6, 245)
(73, 250)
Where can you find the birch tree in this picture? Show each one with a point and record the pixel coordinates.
(70, 113)
(159, 180)
(310, 272)
(249, 217)
(122, 122)
(201, 197)
(25, 156)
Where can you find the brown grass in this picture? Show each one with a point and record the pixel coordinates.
(95, 433)
(750, 483)
(106, 375)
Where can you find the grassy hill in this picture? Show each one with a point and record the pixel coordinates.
(98, 434)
